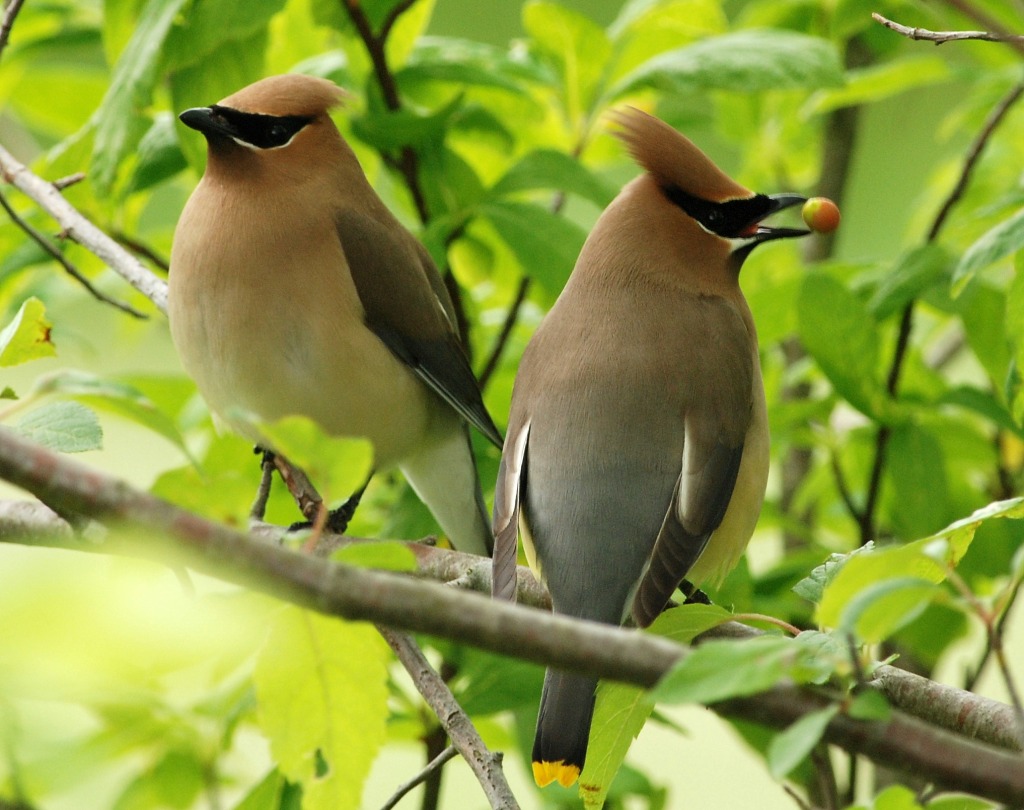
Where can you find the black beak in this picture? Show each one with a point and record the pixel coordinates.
(778, 202)
(209, 121)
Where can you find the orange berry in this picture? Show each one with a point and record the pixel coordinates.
(821, 214)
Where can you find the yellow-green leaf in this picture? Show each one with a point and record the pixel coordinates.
(27, 337)
(321, 687)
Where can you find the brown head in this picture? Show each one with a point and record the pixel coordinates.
(278, 125)
(690, 181)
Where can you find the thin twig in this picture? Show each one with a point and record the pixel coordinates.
(494, 358)
(64, 262)
(940, 37)
(10, 14)
(84, 232)
(986, 20)
(141, 249)
(436, 763)
(867, 519)
(486, 766)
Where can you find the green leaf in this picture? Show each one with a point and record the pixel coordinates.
(386, 130)
(207, 27)
(645, 28)
(550, 169)
(266, 795)
(717, 670)
(66, 427)
(117, 121)
(338, 465)
(748, 61)
(839, 332)
(926, 559)
(869, 705)
(813, 585)
(577, 46)
(896, 797)
(790, 747)
(545, 244)
(877, 611)
(159, 155)
(27, 337)
(321, 685)
(915, 273)
(117, 397)
(462, 61)
(1005, 238)
(620, 711)
(174, 782)
(877, 82)
(916, 473)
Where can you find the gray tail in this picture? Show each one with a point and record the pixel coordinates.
(563, 727)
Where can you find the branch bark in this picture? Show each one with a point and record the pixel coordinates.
(79, 228)
(172, 534)
(941, 37)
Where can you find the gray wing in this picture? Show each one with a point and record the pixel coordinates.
(407, 308)
(506, 513)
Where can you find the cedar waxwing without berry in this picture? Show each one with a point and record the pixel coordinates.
(293, 290)
(637, 446)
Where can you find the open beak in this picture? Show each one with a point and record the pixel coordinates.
(766, 233)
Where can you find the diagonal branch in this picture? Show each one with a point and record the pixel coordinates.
(77, 227)
(64, 262)
(434, 765)
(11, 9)
(486, 766)
(402, 602)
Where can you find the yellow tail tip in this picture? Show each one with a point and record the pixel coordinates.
(544, 773)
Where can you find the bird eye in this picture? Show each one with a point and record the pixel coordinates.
(278, 134)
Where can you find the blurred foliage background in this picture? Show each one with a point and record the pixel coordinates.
(891, 353)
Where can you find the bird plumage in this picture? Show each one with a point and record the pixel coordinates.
(637, 447)
(294, 290)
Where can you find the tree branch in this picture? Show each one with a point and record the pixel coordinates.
(77, 227)
(174, 535)
(867, 516)
(64, 262)
(11, 9)
(941, 37)
(485, 765)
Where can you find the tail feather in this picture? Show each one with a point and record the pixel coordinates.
(563, 727)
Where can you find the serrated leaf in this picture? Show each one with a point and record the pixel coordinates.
(1005, 238)
(717, 670)
(117, 121)
(111, 395)
(839, 332)
(550, 169)
(545, 244)
(321, 685)
(27, 336)
(66, 427)
(790, 747)
(747, 61)
(813, 585)
(926, 559)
